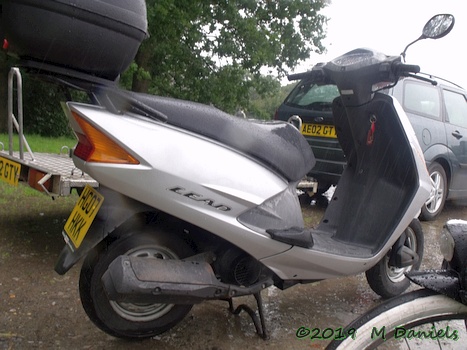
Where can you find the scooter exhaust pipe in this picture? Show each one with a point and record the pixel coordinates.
(142, 280)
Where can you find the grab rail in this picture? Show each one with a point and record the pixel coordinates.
(12, 121)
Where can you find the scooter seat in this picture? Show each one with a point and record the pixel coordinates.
(278, 145)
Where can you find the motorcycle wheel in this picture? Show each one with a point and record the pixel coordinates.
(421, 319)
(389, 281)
(131, 320)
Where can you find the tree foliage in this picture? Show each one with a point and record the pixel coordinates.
(265, 106)
(3, 91)
(43, 114)
(217, 51)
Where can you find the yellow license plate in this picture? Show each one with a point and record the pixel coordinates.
(319, 130)
(9, 171)
(82, 216)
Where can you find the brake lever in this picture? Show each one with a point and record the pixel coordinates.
(428, 80)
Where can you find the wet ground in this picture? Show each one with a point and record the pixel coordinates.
(41, 310)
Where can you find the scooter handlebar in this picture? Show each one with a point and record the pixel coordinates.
(407, 70)
(316, 75)
(402, 69)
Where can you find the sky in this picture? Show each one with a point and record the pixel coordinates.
(389, 25)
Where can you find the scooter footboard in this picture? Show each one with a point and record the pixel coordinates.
(380, 187)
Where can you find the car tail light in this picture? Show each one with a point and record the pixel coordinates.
(95, 146)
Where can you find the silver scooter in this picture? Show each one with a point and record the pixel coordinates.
(195, 204)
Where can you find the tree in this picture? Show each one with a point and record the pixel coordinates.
(265, 106)
(41, 103)
(216, 51)
(3, 92)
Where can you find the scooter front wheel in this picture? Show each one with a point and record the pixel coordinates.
(389, 281)
(131, 320)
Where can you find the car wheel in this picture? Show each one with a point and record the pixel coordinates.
(435, 203)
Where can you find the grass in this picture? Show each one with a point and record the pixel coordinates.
(39, 143)
(21, 199)
(31, 219)
(8, 191)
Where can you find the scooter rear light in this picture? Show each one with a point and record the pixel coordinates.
(95, 146)
(84, 148)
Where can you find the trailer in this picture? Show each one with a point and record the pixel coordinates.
(54, 174)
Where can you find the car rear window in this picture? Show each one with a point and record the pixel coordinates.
(311, 96)
(422, 99)
(456, 107)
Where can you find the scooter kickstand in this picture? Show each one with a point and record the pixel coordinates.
(259, 322)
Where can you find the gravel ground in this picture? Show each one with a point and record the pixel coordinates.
(41, 310)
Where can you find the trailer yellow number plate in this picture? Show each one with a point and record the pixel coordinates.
(82, 216)
(9, 171)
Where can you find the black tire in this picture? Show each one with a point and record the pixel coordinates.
(389, 281)
(418, 310)
(127, 320)
(435, 203)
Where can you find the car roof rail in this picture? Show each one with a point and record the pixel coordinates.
(442, 80)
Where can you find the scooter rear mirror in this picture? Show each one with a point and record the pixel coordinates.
(437, 27)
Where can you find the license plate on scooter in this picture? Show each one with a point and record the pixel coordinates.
(82, 216)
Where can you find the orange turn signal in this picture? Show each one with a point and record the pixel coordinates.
(95, 146)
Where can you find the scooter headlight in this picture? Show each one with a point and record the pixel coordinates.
(446, 244)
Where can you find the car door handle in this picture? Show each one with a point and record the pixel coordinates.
(457, 134)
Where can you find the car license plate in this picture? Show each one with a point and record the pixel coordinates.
(82, 216)
(320, 130)
(9, 171)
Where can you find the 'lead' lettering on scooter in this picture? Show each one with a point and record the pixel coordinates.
(199, 198)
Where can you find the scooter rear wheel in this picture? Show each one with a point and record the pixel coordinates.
(131, 320)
